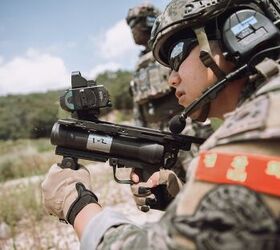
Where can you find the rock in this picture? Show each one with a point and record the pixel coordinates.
(5, 231)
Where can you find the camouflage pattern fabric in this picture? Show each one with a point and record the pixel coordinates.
(154, 102)
(151, 236)
(150, 80)
(208, 215)
(142, 10)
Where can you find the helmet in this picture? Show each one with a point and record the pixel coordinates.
(242, 27)
(144, 12)
(181, 18)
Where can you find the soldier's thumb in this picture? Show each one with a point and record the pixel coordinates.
(153, 181)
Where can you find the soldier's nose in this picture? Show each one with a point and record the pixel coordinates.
(174, 79)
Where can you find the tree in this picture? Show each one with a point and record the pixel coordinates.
(117, 84)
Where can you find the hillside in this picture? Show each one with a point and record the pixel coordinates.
(33, 115)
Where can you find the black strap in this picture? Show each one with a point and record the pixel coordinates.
(84, 198)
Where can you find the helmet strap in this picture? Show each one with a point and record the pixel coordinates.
(209, 62)
(205, 53)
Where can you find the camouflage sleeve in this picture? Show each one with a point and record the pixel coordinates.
(116, 232)
(111, 230)
(149, 236)
(99, 225)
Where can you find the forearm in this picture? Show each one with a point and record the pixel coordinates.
(86, 214)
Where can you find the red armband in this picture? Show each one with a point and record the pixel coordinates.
(257, 172)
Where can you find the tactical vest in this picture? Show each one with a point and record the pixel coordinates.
(154, 99)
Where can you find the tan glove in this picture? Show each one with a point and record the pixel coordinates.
(65, 192)
(146, 198)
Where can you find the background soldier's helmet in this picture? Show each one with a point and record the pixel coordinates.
(144, 14)
(181, 17)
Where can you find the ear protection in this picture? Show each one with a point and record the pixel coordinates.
(246, 32)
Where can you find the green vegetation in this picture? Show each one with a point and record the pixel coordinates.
(28, 116)
(117, 84)
(33, 115)
(16, 202)
(21, 199)
(124, 115)
(22, 211)
(24, 117)
(24, 157)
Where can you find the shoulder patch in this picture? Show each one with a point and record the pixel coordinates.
(230, 217)
(246, 122)
(256, 119)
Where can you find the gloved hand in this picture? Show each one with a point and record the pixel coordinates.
(145, 194)
(66, 192)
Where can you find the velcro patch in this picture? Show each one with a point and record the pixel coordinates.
(252, 116)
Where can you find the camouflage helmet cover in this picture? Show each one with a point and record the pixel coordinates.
(182, 15)
(142, 10)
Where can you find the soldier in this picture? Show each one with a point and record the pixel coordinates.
(224, 58)
(154, 102)
(154, 105)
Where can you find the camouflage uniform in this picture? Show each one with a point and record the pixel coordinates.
(232, 197)
(212, 212)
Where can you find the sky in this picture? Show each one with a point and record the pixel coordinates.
(43, 41)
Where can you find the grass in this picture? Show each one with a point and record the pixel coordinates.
(124, 115)
(30, 227)
(20, 200)
(23, 158)
(10, 146)
(17, 203)
(118, 116)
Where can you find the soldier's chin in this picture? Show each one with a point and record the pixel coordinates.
(198, 116)
(140, 39)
